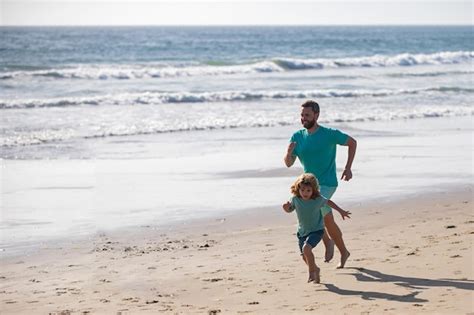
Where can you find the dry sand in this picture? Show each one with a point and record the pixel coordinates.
(408, 257)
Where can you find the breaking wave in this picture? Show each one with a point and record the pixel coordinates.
(155, 98)
(147, 71)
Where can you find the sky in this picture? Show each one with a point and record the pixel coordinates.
(228, 12)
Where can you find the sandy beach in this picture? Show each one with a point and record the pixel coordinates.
(415, 258)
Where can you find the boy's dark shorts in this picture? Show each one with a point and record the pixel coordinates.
(313, 238)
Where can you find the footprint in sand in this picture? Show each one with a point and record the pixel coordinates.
(105, 281)
(131, 299)
(61, 291)
(213, 279)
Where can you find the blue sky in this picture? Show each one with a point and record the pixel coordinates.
(226, 12)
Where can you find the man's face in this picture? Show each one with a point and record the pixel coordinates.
(308, 117)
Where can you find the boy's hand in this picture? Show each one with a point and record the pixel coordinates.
(344, 214)
(287, 206)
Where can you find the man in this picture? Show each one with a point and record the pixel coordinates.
(315, 147)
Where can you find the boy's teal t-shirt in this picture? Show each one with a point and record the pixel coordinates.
(317, 152)
(310, 218)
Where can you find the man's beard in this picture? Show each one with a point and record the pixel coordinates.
(308, 124)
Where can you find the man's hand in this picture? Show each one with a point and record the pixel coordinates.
(346, 175)
(352, 144)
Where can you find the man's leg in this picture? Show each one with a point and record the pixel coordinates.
(329, 245)
(336, 234)
(332, 229)
(327, 192)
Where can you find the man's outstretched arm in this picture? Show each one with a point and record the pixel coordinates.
(351, 151)
(289, 157)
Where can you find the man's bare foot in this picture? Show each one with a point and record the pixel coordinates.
(315, 276)
(343, 260)
(329, 251)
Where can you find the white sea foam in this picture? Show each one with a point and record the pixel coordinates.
(164, 120)
(379, 60)
(130, 72)
(153, 98)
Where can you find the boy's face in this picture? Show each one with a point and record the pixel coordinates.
(306, 192)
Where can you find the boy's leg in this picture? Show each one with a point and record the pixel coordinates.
(336, 235)
(311, 241)
(309, 259)
(301, 243)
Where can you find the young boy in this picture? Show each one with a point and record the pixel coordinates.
(307, 201)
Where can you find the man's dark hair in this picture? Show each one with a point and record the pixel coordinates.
(311, 104)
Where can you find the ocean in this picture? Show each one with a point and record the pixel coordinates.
(61, 88)
(110, 127)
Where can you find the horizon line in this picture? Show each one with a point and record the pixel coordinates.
(226, 25)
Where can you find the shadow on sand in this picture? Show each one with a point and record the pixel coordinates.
(367, 275)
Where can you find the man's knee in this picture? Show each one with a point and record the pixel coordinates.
(329, 220)
(331, 226)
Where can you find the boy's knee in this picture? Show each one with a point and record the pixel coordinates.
(307, 249)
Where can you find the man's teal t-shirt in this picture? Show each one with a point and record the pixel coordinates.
(317, 152)
(310, 218)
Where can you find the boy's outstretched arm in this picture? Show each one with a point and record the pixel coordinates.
(287, 207)
(342, 212)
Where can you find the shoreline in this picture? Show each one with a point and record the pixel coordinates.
(45, 199)
(51, 199)
(215, 220)
(412, 257)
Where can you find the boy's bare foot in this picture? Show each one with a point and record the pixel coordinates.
(343, 260)
(315, 276)
(329, 251)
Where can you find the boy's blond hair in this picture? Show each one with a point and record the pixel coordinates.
(306, 179)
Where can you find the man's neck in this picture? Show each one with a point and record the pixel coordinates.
(313, 129)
